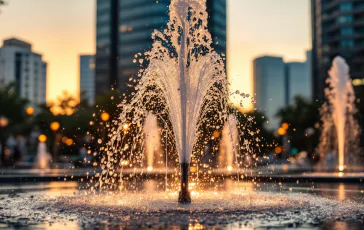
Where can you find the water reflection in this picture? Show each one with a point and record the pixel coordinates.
(51, 189)
(339, 191)
(52, 226)
(342, 225)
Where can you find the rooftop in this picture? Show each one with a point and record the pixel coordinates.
(17, 43)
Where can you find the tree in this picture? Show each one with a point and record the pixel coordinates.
(300, 116)
(255, 121)
(12, 108)
(74, 118)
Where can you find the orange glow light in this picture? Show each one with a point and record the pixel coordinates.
(55, 126)
(285, 125)
(216, 134)
(105, 116)
(29, 111)
(69, 142)
(278, 150)
(42, 138)
(282, 131)
(341, 168)
(4, 122)
(126, 126)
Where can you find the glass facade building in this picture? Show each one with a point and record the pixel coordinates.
(269, 87)
(337, 29)
(276, 84)
(124, 29)
(87, 78)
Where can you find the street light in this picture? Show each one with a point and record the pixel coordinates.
(105, 116)
(69, 141)
(285, 125)
(3, 122)
(54, 127)
(282, 131)
(42, 138)
(30, 111)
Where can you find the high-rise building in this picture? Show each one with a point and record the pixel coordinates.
(87, 78)
(298, 79)
(269, 87)
(277, 83)
(337, 29)
(217, 24)
(124, 29)
(20, 65)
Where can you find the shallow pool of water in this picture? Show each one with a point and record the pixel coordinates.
(231, 205)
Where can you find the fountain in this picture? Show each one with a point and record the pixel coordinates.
(338, 114)
(43, 158)
(184, 94)
(229, 143)
(152, 140)
(185, 88)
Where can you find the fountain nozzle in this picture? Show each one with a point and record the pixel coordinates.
(184, 195)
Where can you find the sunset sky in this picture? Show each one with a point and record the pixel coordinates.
(62, 30)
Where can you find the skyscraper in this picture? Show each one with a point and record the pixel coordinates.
(298, 79)
(87, 78)
(269, 87)
(337, 29)
(20, 65)
(277, 83)
(124, 29)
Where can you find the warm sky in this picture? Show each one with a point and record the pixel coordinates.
(61, 30)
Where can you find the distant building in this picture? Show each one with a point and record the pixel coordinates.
(277, 83)
(124, 29)
(298, 79)
(269, 87)
(87, 78)
(20, 65)
(337, 29)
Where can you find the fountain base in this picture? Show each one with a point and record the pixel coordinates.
(184, 195)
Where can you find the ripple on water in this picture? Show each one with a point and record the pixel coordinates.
(160, 209)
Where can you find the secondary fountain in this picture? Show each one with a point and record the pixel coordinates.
(229, 143)
(340, 130)
(152, 140)
(43, 158)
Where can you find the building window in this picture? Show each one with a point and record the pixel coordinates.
(323, 3)
(346, 6)
(345, 19)
(347, 43)
(347, 31)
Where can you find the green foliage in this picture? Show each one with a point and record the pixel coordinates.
(255, 121)
(13, 107)
(74, 119)
(301, 115)
(108, 102)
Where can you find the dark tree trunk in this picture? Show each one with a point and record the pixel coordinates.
(2, 152)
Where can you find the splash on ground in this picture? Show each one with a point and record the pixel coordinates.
(209, 209)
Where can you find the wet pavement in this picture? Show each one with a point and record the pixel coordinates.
(231, 205)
